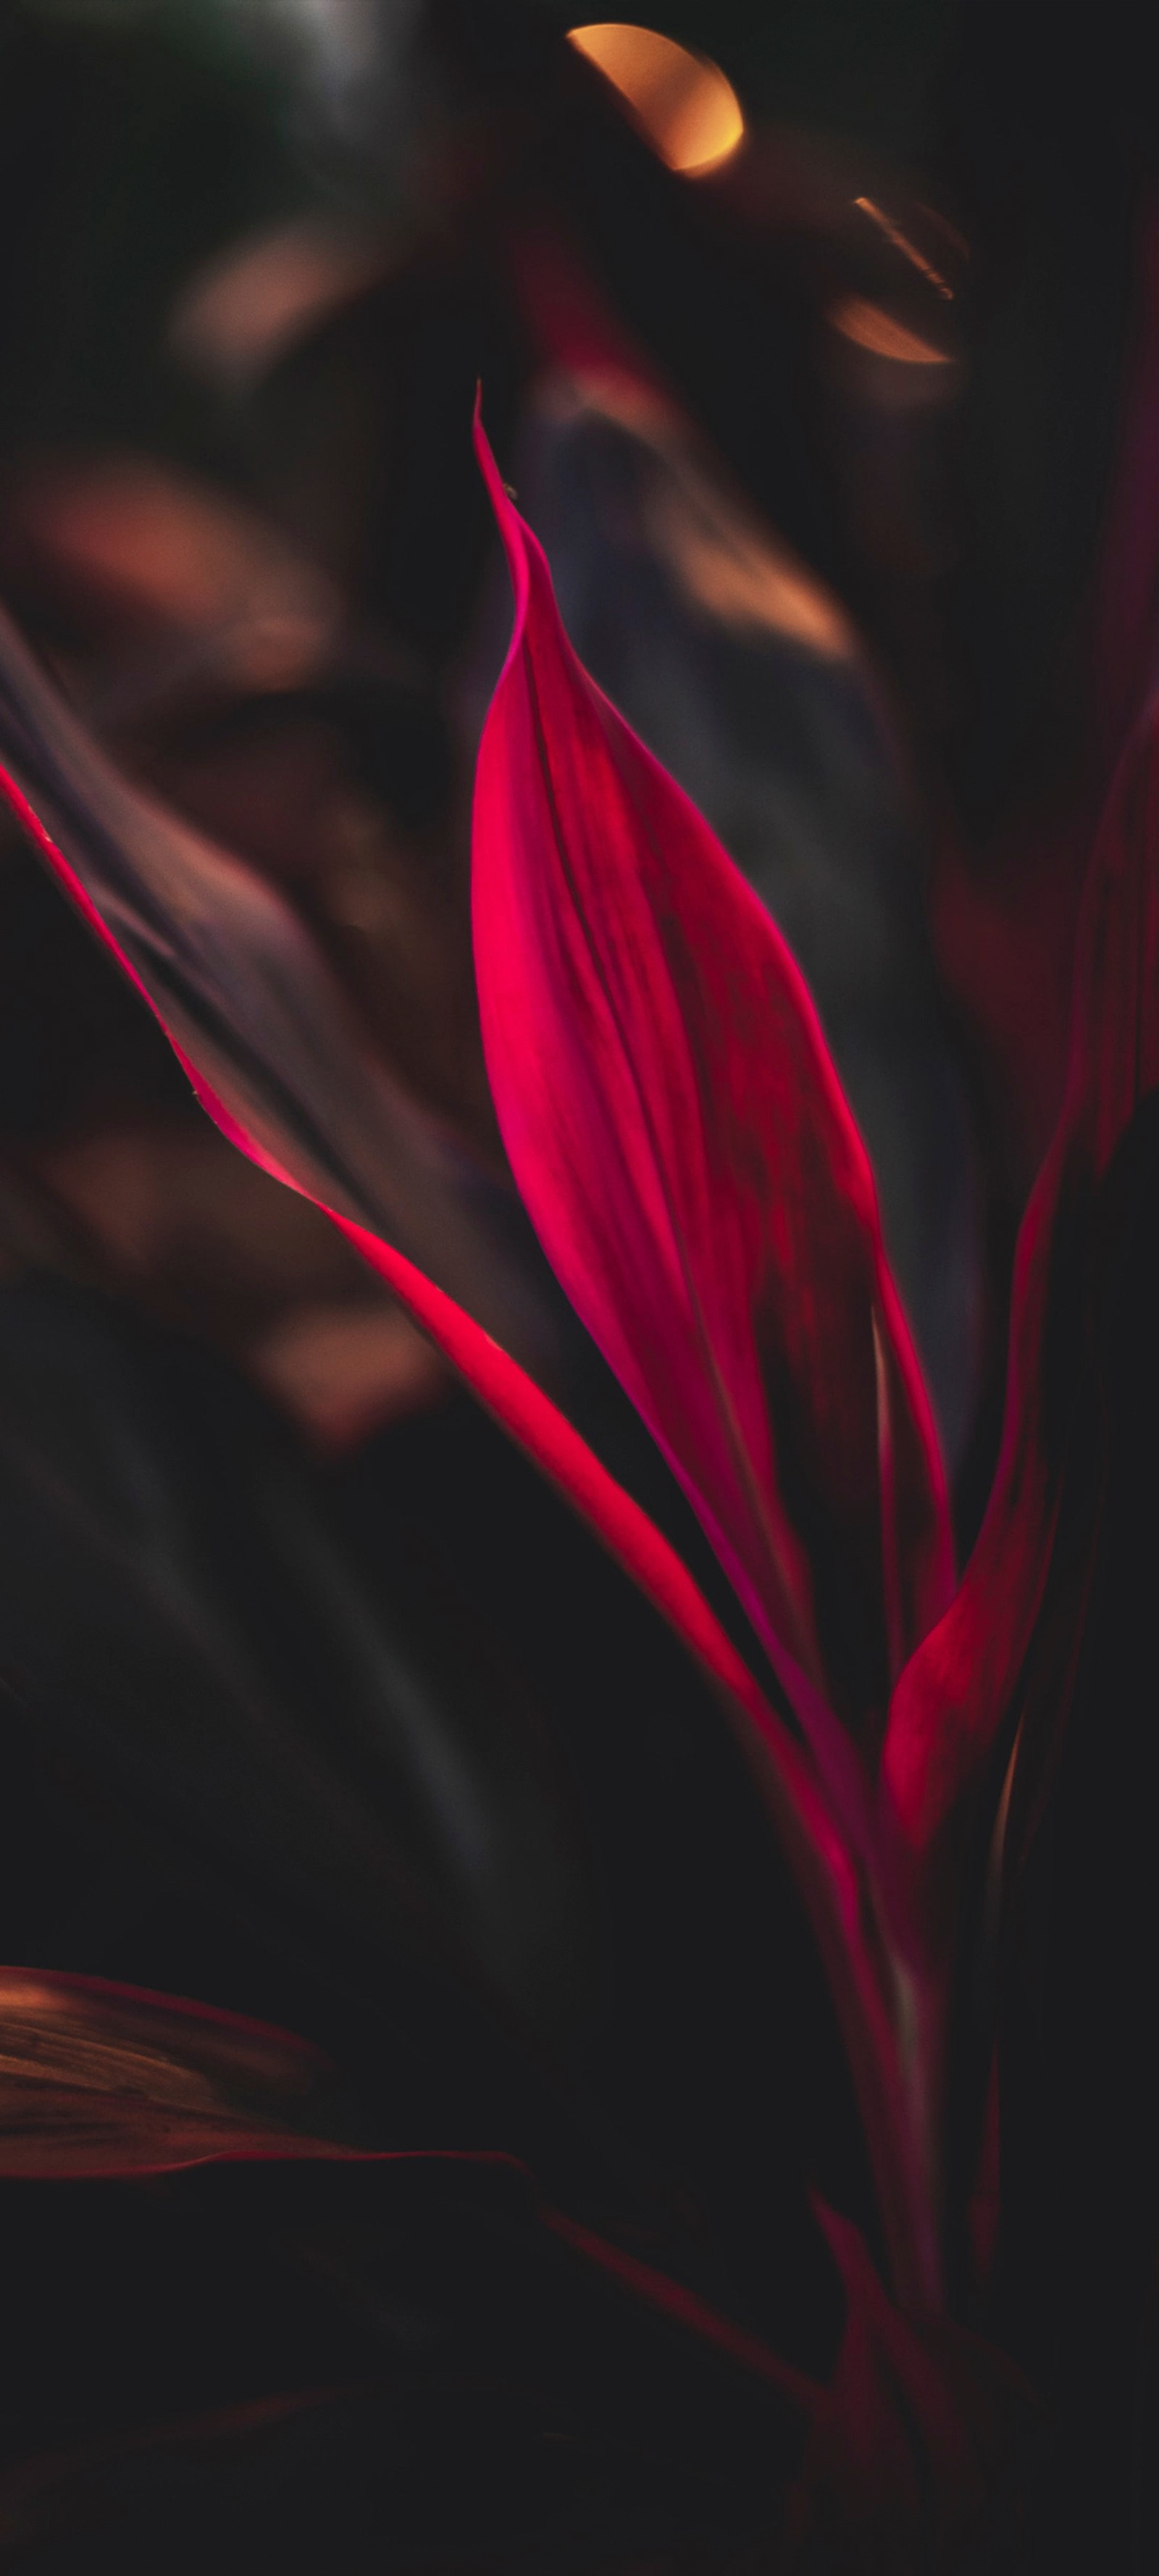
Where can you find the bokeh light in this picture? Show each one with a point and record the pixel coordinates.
(874, 329)
(689, 112)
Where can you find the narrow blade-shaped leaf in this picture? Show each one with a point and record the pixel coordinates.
(98, 2079)
(819, 1853)
(681, 1142)
(245, 993)
(103, 2082)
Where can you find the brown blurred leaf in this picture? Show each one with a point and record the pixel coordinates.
(98, 2079)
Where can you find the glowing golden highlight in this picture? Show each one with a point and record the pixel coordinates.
(684, 106)
(873, 328)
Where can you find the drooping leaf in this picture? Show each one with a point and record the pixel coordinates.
(221, 963)
(459, 2384)
(97, 2079)
(680, 1140)
(501, 2291)
(958, 1694)
(245, 995)
(101, 2082)
(205, 998)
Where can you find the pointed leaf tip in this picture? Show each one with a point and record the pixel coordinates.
(680, 1139)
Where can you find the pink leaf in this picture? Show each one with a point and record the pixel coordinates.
(681, 1142)
(954, 1696)
(503, 1385)
(885, 1452)
(820, 1858)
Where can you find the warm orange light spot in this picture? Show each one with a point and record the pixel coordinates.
(152, 547)
(237, 317)
(874, 329)
(688, 111)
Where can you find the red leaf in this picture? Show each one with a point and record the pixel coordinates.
(672, 2299)
(181, 900)
(504, 1386)
(905, 1572)
(240, 986)
(953, 1698)
(681, 1142)
(916, 2447)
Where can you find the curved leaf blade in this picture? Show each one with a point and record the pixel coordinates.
(231, 972)
(681, 1142)
(105, 2082)
(818, 1853)
(99, 2080)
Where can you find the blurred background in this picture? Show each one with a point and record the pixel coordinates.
(817, 339)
